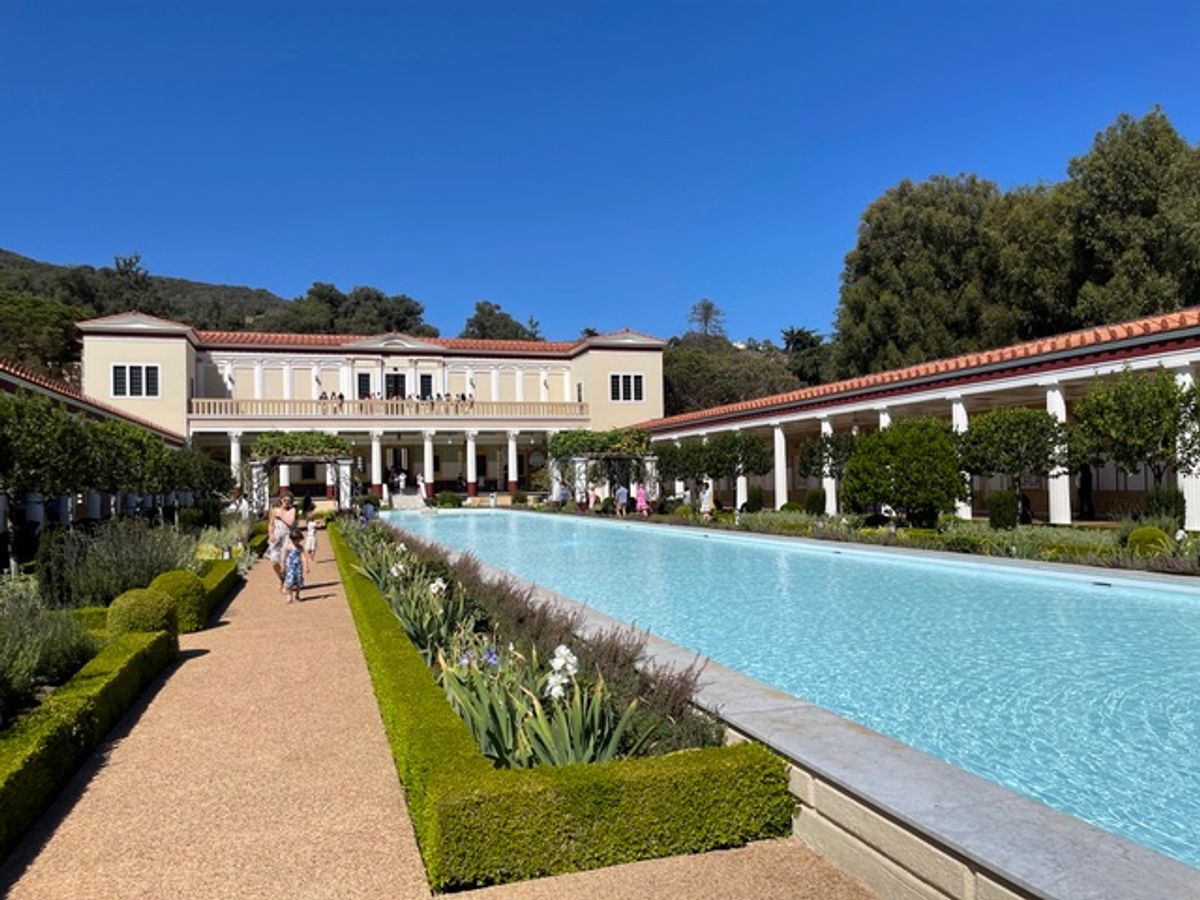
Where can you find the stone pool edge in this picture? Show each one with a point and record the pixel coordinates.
(903, 822)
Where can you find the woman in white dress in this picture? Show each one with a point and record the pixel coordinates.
(279, 527)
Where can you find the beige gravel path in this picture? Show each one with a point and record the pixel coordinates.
(257, 769)
(770, 870)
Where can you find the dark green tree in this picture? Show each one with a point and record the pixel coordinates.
(1015, 443)
(1137, 202)
(915, 285)
(912, 466)
(1140, 419)
(729, 454)
(490, 322)
(808, 355)
(700, 371)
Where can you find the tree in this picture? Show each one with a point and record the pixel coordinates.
(1137, 201)
(808, 355)
(39, 333)
(490, 322)
(1014, 442)
(729, 454)
(828, 453)
(588, 332)
(914, 286)
(912, 465)
(700, 372)
(707, 318)
(683, 461)
(127, 285)
(1141, 420)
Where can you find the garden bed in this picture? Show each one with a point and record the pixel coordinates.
(39, 753)
(477, 824)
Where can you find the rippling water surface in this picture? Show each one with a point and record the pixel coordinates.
(1082, 696)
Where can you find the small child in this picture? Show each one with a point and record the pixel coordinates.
(310, 542)
(294, 568)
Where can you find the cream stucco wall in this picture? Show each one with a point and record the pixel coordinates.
(592, 370)
(175, 359)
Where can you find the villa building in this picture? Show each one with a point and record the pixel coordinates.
(1051, 373)
(473, 414)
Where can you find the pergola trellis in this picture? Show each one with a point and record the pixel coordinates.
(260, 467)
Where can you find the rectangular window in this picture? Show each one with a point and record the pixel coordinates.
(364, 385)
(308, 471)
(135, 381)
(394, 386)
(427, 386)
(626, 388)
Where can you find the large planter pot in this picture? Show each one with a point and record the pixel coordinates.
(35, 510)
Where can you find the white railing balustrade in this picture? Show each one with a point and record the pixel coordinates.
(228, 407)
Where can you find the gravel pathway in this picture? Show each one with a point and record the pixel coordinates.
(258, 768)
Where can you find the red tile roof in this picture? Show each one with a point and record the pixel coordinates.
(65, 391)
(1074, 340)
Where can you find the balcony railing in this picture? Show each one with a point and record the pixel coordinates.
(224, 407)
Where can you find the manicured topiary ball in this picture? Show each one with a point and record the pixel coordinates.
(191, 600)
(142, 609)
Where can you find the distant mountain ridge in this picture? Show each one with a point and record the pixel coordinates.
(204, 305)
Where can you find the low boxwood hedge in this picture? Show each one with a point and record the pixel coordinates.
(480, 825)
(143, 609)
(186, 590)
(219, 579)
(39, 753)
(257, 544)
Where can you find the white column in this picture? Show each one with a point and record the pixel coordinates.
(315, 388)
(379, 378)
(566, 382)
(512, 459)
(343, 485)
(1059, 483)
(376, 462)
(413, 385)
(346, 387)
(287, 381)
(470, 381)
(520, 376)
(258, 380)
(1189, 482)
(235, 456)
(828, 482)
(543, 385)
(741, 489)
(781, 466)
(555, 472)
(229, 379)
(285, 476)
(428, 435)
(495, 379)
(472, 469)
(959, 423)
(885, 417)
(330, 480)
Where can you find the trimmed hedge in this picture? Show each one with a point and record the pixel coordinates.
(480, 825)
(93, 618)
(39, 754)
(187, 593)
(142, 609)
(219, 580)
(257, 544)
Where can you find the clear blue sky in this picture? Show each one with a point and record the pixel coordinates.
(588, 163)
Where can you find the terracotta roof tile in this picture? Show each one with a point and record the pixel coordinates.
(66, 391)
(1088, 337)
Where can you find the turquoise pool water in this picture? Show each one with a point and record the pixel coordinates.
(1083, 696)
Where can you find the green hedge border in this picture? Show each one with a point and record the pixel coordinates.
(40, 753)
(219, 581)
(479, 825)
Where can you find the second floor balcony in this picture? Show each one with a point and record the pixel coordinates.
(391, 412)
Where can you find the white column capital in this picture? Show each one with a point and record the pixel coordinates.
(471, 435)
(429, 434)
(235, 435)
(513, 434)
(376, 436)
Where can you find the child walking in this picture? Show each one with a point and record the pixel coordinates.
(310, 543)
(294, 567)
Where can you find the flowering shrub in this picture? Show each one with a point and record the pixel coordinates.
(526, 709)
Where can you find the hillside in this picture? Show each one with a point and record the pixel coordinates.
(104, 290)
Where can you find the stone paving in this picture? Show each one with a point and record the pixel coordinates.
(258, 768)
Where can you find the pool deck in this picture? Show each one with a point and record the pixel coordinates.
(901, 820)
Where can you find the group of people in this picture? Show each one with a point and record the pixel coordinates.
(458, 402)
(290, 549)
